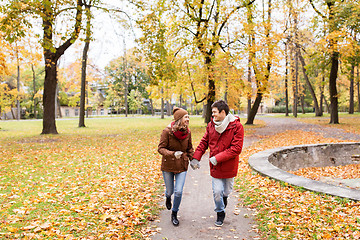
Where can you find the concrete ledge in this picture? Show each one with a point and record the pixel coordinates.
(260, 163)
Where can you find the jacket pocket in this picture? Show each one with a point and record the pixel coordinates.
(168, 163)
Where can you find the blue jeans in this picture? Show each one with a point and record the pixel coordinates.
(179, 185)
(222, 187)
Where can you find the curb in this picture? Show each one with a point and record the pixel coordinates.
(260, 163)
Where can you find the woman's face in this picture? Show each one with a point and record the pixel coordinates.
(185, 120)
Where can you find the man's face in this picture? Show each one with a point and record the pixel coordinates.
(218, 116)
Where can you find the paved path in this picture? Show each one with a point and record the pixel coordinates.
(276, 125)
(196, 214)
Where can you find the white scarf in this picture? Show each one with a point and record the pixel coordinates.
(220, 126)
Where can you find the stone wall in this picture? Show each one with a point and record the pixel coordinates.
(320, 155)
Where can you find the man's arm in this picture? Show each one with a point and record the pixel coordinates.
(203, 145)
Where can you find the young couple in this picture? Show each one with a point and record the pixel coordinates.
(224, 136)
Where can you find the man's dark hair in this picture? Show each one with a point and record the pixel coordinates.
(221, 105)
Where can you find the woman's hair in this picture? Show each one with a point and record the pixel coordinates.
(178, 126)
(221, 105)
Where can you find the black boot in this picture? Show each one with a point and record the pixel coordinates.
(220, 219)
(174, 219)
(225, 201)
(168, 203)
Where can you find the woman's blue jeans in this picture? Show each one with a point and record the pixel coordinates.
(179, 178)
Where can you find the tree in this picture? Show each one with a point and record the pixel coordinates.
(310, 87)
(349, 12)
(262, 69)
(205, 23)
(333, 26)
(17, 14)
(7, 97)
(84, 62)
(154, 45)
(135, 100)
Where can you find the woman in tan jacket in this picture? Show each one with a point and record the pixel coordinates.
(176, 149)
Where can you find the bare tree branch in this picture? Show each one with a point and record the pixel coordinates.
(316, 10)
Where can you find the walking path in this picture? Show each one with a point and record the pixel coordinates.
(196, 214)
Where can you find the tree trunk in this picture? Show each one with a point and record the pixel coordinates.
(204, 110)
(168, 108)
(162, 104)
(34, 89)
(12, 112)
(302, 100)
(322, 89)
(152, 107)
(83, 83)
(311, 89)
(327, 105)
(83, 66)
(321, 103)
(351, 94)
(57, 104)
(358, 87)
(50, 83)
(334, 115)
(126, 90)
(293, 80)
(254, 109)
(18, 110)
(249, 81)
(286, 81)
(226, 91)
(211, 89)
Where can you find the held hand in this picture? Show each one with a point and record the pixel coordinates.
(195, 164)
(178, 154)
(213, 161)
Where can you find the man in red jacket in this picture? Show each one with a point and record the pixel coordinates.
(224, 136)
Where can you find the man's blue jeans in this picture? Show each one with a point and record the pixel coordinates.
(222, 187)
(179, 185)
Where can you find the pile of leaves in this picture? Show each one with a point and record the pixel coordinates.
(344, 172)
(287, 212)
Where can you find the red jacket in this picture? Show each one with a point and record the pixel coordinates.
(226, 148)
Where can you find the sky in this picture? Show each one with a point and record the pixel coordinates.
(108, 43)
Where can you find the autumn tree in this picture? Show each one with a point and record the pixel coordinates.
(333, 26)
(19, 13)
(205, 23)
(349, 12)
(87, 40)
(125, 76)
(154, 45)
(262, 66)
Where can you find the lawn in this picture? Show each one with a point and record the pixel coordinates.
(101, 181)
(104, 181)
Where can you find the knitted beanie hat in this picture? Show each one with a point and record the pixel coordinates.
(179, 113)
